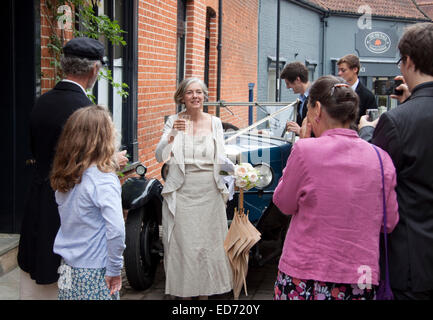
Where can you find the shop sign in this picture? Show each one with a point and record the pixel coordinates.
(376, 43)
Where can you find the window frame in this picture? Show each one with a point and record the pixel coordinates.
(129, 76)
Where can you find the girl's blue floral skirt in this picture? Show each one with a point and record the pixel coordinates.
(83, 284)
(289, 288)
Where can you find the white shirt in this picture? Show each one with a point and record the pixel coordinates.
(355, 85)
(66, 80)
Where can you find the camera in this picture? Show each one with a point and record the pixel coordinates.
(387, 87)
(372, 114)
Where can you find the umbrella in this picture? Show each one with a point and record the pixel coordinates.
(241, 237)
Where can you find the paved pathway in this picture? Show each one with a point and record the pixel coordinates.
(9, 285)
(260, 283)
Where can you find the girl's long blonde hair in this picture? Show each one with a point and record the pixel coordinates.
(88, 137)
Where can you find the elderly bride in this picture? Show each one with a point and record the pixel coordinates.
(193, 214)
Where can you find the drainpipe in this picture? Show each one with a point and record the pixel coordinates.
(250, 99)
(219, 46)
(324, 22)
(277, 66)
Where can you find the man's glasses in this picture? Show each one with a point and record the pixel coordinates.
(338, 85)
(400, 61)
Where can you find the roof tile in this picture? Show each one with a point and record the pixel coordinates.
(387, 8)
(426, 6)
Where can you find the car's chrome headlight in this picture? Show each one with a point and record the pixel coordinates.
(140, 170)
(266, 175)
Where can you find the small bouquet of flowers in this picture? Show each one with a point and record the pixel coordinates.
(246, 176)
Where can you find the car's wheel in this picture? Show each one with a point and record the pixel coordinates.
(141, 254)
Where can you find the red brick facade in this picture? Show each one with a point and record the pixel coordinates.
(157, 59)
(48, 71)
(156, 74)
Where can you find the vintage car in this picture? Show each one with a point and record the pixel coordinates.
(141, 196)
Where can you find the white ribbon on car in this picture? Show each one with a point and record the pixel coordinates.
(228, 166)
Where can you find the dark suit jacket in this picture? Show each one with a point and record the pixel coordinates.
(366, 100)
(41, 220)
(300, 117)
(405, 133)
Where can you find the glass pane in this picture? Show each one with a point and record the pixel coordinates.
(271, 85)
(118, 16)
(103, 85)
(117, 98)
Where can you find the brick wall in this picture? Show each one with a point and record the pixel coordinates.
(157, 49)
(239, 56)
(48, 27)
(157, 62)
(156, 74)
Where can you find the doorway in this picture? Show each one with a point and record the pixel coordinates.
(20, 29)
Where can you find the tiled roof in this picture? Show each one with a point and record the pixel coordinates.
(388, 8)
(426, 6)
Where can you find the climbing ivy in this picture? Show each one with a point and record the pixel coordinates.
(64, 16)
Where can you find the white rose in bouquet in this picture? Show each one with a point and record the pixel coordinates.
(241, 171)
(253, 176)
(248, 166)
(241, 183)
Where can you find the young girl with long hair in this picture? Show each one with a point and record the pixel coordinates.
(91, 238)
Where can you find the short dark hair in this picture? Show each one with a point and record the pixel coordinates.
(293, 70)
(342, 105)
(417, 43)
(351, 60)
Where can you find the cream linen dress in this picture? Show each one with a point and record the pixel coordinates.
(194, 219)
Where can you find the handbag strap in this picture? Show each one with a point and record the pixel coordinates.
(385, 237)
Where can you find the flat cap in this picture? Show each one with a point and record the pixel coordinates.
(83, 47)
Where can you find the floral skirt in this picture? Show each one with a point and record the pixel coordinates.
(289, 288)
(83, 284)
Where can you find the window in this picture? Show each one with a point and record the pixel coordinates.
(311, 66)
(122, 62)
(272, 62)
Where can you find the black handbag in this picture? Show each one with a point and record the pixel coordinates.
(384, 291)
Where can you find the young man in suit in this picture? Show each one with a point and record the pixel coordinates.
(81, 62)
(295, 75)
(348, 69)
(403, 132)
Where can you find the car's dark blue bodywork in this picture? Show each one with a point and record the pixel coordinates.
(254, 149)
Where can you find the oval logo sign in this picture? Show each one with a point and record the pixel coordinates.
(377, 42)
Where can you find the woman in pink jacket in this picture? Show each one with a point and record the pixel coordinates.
(332, 187)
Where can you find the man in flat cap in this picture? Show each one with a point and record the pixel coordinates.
(81, 61)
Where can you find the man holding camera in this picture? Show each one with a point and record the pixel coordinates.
(403, 132)
(348, 69)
